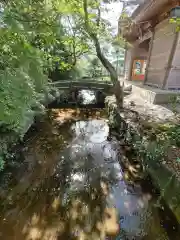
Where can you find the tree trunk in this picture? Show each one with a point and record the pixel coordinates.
(118, 89)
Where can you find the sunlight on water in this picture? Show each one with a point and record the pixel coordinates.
(88, 96)
(78, 190)
(95, 131)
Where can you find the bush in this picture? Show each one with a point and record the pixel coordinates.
(27, 43)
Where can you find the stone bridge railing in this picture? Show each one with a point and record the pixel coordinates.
(106, 87)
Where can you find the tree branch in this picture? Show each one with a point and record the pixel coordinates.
(73, 44)
(109, 67)
(25, 19)
(99, 17)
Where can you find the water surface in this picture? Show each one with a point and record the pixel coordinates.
(58, 192)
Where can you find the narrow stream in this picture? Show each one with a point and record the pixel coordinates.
(71, 186)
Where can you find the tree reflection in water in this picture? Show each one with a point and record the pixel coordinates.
(71, 185)
(63, 197)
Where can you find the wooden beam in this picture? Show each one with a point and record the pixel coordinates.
(145, 37)
(169, 64)
(125, 59)
(130, 68)
(151, 9)
(149, 57)
(157, 10)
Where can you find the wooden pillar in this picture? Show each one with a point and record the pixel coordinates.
(149, 57)
(128, 64)
(125, 59)
(130, 68)
(169, 64)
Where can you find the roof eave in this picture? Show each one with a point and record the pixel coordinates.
(147, 10)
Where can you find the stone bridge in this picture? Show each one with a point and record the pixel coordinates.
(69, 90)
(83, 84)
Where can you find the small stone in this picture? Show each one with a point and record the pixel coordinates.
(104, 187)
(132, 103)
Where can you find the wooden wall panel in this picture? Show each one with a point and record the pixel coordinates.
(161, 49)
(173, 78)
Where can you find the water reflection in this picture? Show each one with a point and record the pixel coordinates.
(80, 98)
(73, 186)
(87, 96)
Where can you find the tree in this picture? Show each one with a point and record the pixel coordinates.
(96, 69)
(93, 33)
(32, 45)
(74, 41)
(87, 15)
(23, 66)
(39, 37)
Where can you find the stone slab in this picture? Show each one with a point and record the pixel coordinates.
(152, 95)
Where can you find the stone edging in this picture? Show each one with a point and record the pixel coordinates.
(128, 124)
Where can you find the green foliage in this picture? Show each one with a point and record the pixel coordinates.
(175, 21)
(173, 134)
(167, 137)
(23, 67)
(1, 163)
(42, 39)
(34, 43)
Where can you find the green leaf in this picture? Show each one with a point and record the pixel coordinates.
(172, 20)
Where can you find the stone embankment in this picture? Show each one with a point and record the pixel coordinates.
(152, 131)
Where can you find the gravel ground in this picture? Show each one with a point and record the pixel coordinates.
(152, 112)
